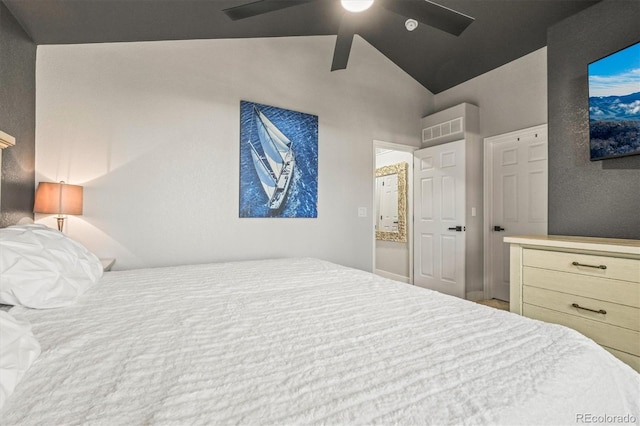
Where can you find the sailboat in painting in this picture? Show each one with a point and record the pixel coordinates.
(275, 167)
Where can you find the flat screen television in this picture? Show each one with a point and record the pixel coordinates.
(614, 104)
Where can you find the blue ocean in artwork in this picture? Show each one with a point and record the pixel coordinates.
(302, 130)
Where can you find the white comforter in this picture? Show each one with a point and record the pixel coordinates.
(304, 341)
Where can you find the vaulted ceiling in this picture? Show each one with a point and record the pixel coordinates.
(503, 30)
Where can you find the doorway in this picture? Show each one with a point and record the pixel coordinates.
(393, 259)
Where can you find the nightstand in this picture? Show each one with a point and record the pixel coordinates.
(107, 264)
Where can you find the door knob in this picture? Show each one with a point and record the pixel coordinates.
(498, 228)
(456, 228)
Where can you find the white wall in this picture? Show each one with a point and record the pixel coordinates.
(152, 129)
(511, 97)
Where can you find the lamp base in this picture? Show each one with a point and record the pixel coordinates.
(60, 220)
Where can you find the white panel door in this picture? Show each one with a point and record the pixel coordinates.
(388, 207)
(518, 178)
(439, 203)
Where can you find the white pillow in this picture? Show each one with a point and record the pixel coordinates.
(18, 349)
(41, 267)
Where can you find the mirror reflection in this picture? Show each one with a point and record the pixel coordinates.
(391, 203)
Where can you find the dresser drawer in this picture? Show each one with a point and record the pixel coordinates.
(615, 291)
(618, 338)
(619, 315)
(584, 264)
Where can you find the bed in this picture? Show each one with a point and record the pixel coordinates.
(304, 341)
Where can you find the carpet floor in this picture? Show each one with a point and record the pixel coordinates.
(494, 303)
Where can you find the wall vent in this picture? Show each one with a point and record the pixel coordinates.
(447, 128)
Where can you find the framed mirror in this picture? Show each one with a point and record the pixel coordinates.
(391, 203)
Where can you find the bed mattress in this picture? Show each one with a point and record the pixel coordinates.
(303, 341)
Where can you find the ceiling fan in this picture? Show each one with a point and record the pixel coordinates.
(424, 11)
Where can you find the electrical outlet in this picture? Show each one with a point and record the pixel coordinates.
(362, 212)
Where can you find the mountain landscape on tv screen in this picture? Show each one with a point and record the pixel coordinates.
(614, 125)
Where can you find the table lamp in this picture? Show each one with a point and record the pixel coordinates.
(58, 198)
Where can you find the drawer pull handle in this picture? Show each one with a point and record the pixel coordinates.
(601, 311)
(589, 266)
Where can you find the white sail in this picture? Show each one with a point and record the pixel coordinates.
(274, 143)
(281, 141)
(275, 169)
(273, 155)
(266, 178)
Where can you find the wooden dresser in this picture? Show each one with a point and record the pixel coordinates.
(589, 284)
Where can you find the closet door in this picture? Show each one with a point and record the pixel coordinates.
(516, 166)
(439, 218)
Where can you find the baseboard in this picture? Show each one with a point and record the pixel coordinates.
(393, 276)
(475, 295)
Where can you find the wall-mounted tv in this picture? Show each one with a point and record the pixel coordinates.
(614, 104)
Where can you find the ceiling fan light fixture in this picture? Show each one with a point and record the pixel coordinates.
(356, 5)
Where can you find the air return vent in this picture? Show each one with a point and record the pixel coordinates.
(443, 129)
(451, 124)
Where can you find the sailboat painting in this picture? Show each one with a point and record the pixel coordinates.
(278, 162)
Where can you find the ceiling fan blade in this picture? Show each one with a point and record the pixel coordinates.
(343, 44)
(260, 7)
(431, 14)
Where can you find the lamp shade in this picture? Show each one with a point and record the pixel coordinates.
(58, 198)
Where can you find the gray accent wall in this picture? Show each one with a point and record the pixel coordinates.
(599, 198)
(17, 117)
